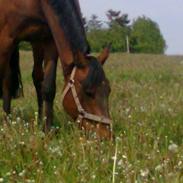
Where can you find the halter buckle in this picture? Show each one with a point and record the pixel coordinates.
(82, 113)
(71, 82)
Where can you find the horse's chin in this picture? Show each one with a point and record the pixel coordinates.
(95, 130)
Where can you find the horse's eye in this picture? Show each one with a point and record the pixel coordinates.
(90, 92)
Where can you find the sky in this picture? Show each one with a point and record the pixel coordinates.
(167, 13)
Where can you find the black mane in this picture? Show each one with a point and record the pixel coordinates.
(71, 22)
(95, 76)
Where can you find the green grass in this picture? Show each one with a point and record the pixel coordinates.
(146, 105)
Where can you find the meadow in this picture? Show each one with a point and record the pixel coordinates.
(146, 105)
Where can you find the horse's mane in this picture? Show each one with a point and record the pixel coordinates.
(95, 76)
(71, 22)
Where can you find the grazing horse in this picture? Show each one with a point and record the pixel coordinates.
(58, 26)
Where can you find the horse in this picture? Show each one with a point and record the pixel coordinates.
(58, 24)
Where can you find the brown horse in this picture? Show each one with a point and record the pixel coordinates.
(86, 87)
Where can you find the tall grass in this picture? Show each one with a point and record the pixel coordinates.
(146, 107)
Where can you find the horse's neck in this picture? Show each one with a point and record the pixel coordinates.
(63, 46)
(72, 32)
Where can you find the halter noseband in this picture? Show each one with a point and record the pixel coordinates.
(82, 113)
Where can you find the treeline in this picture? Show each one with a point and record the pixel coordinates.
(142, 35)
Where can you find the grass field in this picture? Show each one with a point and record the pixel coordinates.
(146, 105)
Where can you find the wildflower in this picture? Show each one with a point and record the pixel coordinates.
(41, 163)
(127, 110)
(142, 108)
(144, 173)
(118, 138)
(114, 158)
(36, 114)
(55, 173)
(8, 173)
(18, 119)
(124, 156)
(21, 174)
(14, 122)
(173, 148)
(93, 176)
(158, 168)
(179, 163)
(22, 143)
(30, 181)
(120, 162)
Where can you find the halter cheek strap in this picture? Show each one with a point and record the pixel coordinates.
(82, 113)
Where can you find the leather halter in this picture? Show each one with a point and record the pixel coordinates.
(82, 113)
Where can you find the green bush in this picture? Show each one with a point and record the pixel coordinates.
(146, 37)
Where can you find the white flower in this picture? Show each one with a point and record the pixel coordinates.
(173, 148)
(120, 162)
(21, 174)
(1, 179)
(8, 173)
(30, 181)
(18, 119)
(124, 156)
(144, 173)
(93, 176)
(56, 173)
(158, 168)
(36, 114)
(114, 158)
(14, 122)
(179, 163)
(22, 143)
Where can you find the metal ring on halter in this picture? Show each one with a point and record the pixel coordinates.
(71, 81)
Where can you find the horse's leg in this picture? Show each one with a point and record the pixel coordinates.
(5, 72)
(49, 83)
(38, 75)
(12, 84)
(6, 84)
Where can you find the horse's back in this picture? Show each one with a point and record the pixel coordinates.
(20, 18)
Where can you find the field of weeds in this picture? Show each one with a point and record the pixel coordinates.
(146, 106)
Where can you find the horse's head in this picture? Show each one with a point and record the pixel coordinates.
(86, 95)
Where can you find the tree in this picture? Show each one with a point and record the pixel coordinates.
(146, 37)
(94, 23)
(116, 17)
(118, 30)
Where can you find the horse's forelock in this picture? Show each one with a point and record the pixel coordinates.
(95, 75)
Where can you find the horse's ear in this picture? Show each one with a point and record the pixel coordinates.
(105, 54)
